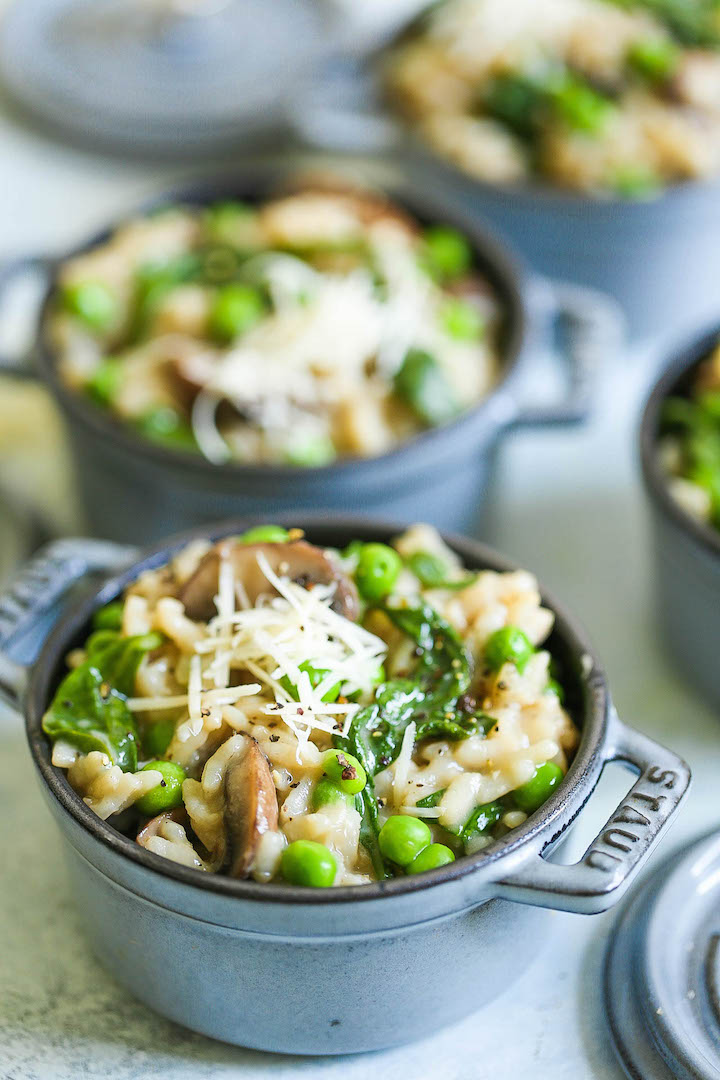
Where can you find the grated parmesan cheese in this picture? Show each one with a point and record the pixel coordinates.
(271, 641)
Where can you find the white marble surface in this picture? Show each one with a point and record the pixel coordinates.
(572, 511)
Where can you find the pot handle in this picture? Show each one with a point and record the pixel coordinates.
(588, 326)
(600, 878)
(10, 271)
(30, 603)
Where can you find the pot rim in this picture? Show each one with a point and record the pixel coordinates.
(691, 353)
(495, 257)
(551, 821)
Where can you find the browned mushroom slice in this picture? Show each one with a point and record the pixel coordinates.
(154, 825)
(301, 562)
(251, 807)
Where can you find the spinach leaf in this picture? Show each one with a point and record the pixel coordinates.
(89, 709)
(480, 821)
(430, 698)
(431, 800)
(366, 805)
(90, 714)
(422, 385)
(118, 658)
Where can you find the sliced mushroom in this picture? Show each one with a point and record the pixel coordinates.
(154, 825)
(302, 562)
(251, 807)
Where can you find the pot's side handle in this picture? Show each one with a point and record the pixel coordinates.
(30, 600)
(11, 270)
(589, 327)
(608, 866)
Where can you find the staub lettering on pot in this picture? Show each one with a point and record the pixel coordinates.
(633, 824)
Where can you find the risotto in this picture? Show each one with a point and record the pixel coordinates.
(608, 97)
(689, 446)
(265, 708)
(319, 323)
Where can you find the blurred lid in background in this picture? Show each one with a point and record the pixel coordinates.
(662, 977)
(163, 75)
(178, 76)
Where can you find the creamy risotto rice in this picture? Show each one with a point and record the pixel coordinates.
(265, 708)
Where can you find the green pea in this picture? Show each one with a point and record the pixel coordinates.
(709, 402)
(326, 793)
(578, 104)
(635, 182)
(154, 281)
(377, 571)
(554, 687)
(345, 771)
(654, 58)
(91, 302)
(446, 252)
(421, 383)
(306, 863)
(316, 676)
(430, 570)
(109, 617)
(235, 309)
(164, 424)
(508, 645)
(105, 381)
(402, 838)
(353, 550)
(265, 534)
(430, 858)
(228, 222)
(311, 452)
(157, 736)
(530, 796)
(168, 794)
(462, 320)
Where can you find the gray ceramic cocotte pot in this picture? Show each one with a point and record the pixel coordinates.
(686, 551)
(135, 491)
(339, 970)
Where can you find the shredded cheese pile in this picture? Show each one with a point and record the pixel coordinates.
(312, 351)
(270, 641)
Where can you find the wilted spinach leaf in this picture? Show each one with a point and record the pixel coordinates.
(89, 714)
(118, 658)
(89, 710)
(430, 698)
(480, 821)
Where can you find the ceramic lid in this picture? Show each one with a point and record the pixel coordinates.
(662, 975)
(168, 75)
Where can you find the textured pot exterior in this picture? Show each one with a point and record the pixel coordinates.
(660, 259)
(329, 995)
(687, 584)
(687, 554)
(135, 499)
